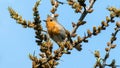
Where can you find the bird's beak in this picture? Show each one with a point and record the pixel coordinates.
(44, 20)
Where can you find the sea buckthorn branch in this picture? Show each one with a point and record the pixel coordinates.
(17, 17)
(98, 59)
(48, 59)
(22, 21)
(37, 22)
(45, 47)
(76, 5)
(110, 46)
(55, 4)
(101, 62)
(114, 13)
(104, 24)
(64, 46)
(85, 12)
(81, 22)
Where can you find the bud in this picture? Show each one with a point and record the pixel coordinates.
(70, 47)
(52, 2)
(113, 38)
(53, 10)
(97, 54)
(89, 33)
(107, 49)
(104, 23)
(56, 15)
(31, 25)
(107, 19)
(74, 5)
(31, 57)
(70, 2)
(99, 29)
(79, 39)
(48, 53)
(110, 8)
(73, 35)
(118, 24)
(94, 30)
(43, 60)
(77, 10)
(56, 63)
(108, 44)
(56, 4)
(112, 15)
(78, 47)
(113, 46)
(51, 62)
(60, 54)
(90, 11)
(42, 55)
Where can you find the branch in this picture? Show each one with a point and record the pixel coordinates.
(110, 46)
(108, 49)
(83, 16)
(104, 24)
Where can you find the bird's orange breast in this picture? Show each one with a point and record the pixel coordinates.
(52, 28)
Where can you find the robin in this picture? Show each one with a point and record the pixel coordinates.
(55, 30)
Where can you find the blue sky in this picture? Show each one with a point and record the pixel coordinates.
(16, 42)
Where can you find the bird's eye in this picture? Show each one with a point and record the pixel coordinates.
(51, 20)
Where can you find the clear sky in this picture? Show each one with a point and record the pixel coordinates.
(16, 42)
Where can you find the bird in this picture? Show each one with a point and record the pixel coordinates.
(56, 31)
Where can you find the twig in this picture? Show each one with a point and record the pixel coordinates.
(111, 44)
(83, 16)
